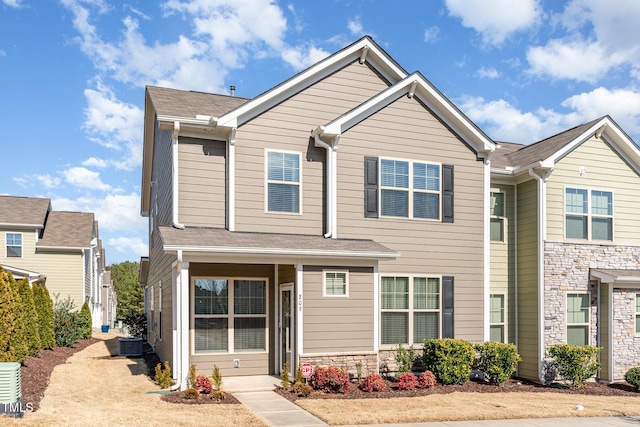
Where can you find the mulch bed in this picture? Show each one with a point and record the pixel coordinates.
(36, 371)
(513, 385)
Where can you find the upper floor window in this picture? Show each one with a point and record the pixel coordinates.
(497, 217)
(283, 182)
(410, 189)
(578, 319)
(14, 245)
(589, 214)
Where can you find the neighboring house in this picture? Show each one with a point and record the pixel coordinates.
(109, 300)
(334, 216)
(61, 248)
(565, 251)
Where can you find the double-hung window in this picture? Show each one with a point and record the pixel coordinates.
(229, 315)
(336, 284)
(637, 313)
(14, 245)
(496, 213)
(496, 316)
(283, 182)
(410, 189)
(410, 309)
(578, 319)
(589, 214)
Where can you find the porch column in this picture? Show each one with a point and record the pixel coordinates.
(184, 324)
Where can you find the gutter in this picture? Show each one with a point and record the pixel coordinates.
(174, 169)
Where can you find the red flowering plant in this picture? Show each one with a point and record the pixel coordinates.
(203, 384)
(372, 382)
(427, 379)
(407, 381)
(330, 380)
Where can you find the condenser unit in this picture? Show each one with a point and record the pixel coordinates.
(10, 389)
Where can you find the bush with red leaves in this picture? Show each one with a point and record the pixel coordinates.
(203, 384)
(407, 381)
(427, 379)
(372, 382)
(330, 380)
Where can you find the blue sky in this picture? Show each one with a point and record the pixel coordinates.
(73, 72)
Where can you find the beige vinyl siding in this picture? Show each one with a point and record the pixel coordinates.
(251, 363)
(286, 274)
(287, 127)
(201, 165)
(528, 313)
(604, 170)
(406, 130)
(503, 263)
(603, 330)
(64, 274)
(338, 324)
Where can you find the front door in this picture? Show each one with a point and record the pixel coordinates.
(287, 327)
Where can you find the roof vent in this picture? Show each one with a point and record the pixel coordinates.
(233, 90)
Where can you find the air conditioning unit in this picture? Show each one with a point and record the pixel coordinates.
(10, 389)
(130, 346)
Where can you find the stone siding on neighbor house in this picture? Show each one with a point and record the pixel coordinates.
(348, 362)
(566, 270)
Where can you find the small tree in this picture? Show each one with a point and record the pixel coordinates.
(31, 318)
(85, 320)
(44, 307)
(405, 359)
(6, 318)
(19, 337)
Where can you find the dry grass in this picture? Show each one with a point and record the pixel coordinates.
(93, 390)
(468, 406)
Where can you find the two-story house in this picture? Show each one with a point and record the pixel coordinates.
(61, 249)
(326, 220)
(565, 246)
(353, 207)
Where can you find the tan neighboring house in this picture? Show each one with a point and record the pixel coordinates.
(324, 221)
(61, 248)
(565, 246)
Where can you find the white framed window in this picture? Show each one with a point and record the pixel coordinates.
(588, 214)
(160, 310)
(497, 331)
(152, 314)
(229, 315)
(410, 309)
(14, 245)
(637, 313)
(410, 189)
(283, 182)
(578, 318)
(336, 284)
(497, 216)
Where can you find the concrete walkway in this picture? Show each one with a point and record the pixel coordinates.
(277, 411)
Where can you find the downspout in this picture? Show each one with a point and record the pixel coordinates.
(174, 169)
(487, 247)
(541, 238)
(177, 349)
(330, 184)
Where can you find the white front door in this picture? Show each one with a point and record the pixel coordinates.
(286, 328)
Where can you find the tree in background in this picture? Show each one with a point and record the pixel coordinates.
(129, 293)
(44, 307)
(6, 318)
(31, 325)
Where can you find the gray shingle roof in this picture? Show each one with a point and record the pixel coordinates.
(184, 103)
(217, 240)
(23, 210)
(68, 230)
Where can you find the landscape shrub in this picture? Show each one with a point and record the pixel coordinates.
(44, 307)
(85, 320)
(427, 379)
(285, 381)
(32, 327)
(203, 384)
(330, 380)
(193, 372)
(407, 381)
(298, 377)
(497, 360)
(191, 394)
(575, 363)
(6, 318)
(359, 371)
(137, 323)
(19, 338)
(449, 359)
(216, 377)
(632, 376)
(302, 389)
(372, 382)
(217, 395)
(68, 326)
(163, 376)
(405, 358)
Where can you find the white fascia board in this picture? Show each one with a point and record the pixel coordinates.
(605, 277)
(62, 248)
(281, 252)
(313, 74)
(21, 226)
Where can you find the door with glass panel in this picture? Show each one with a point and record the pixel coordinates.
(286, 326)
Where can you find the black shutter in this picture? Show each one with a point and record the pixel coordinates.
(371, 187)
(447, 193)
(447, 307)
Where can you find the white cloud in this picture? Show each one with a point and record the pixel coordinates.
(84, 178)
(129, 245)
(488, 73)
(95, 162)
(46, 181)
(13, 3)
(301, 57)
(431, 34)
(355, 27)
(495, 20)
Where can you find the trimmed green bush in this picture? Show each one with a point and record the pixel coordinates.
(137, 323)
(449, 359)
(19, 337)
(32, 326)
(632, 376)
(44, 307)
(574, 363)
(497, 360)
(163, 376)
(86, 321)
(68, 326)
(6, 318)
